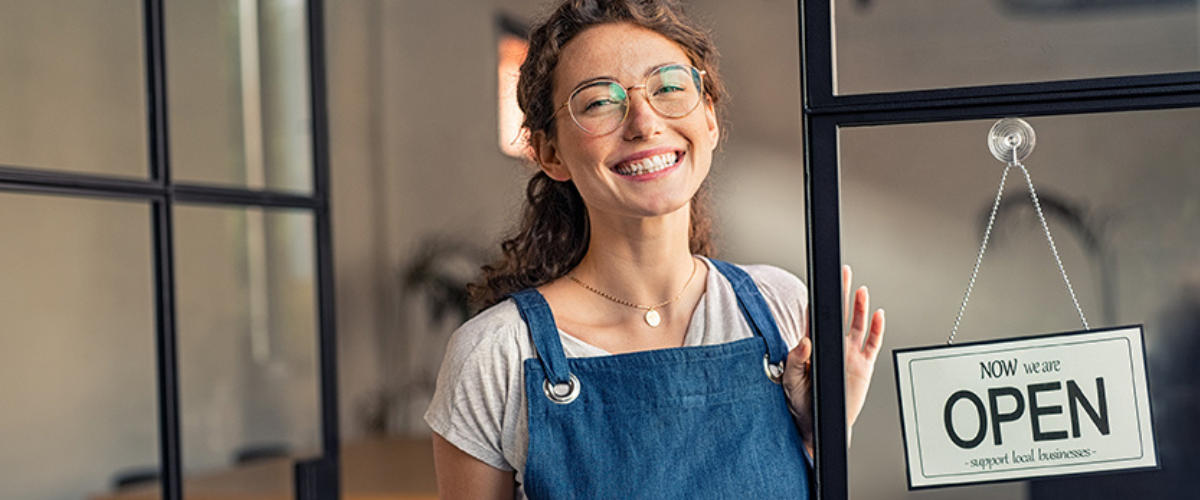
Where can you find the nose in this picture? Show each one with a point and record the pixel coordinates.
(641, 121)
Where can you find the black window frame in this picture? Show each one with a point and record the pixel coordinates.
(316, 477)
(824, 113)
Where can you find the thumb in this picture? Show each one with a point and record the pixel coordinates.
(798, 374)
(797, 383)
(802, 353)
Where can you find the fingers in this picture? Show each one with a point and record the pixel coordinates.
(862, 302)
(864, 337)
(875, 338)
(847, 274)
(858, 323)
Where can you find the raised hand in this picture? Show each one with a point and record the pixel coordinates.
(862, 343)
(861, 346)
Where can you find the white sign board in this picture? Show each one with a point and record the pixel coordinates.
(1052, 405)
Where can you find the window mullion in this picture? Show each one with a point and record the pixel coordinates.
(170, 449)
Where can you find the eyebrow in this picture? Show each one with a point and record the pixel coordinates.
(606, 78)
(592, 80)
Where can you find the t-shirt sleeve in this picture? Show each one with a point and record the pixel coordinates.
(787, 297)
(472, 407)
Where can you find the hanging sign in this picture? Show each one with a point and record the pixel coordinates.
(1052, 405)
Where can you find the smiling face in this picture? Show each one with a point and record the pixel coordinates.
(651, 165)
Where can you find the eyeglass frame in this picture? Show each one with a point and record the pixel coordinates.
(566, 104)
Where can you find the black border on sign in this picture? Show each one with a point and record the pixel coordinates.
(904, 435)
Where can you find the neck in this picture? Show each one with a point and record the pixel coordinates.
(642, 260)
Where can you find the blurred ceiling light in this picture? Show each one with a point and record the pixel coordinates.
(511, 50)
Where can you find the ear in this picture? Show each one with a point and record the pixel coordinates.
(714, 125)
(545, 152)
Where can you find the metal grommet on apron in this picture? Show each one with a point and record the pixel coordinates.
(562, 393)
(688, 422)
(774, 371)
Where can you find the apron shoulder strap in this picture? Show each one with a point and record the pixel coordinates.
(536, 313)
(754, 308)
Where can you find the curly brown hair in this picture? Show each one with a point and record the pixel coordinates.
(552, 236)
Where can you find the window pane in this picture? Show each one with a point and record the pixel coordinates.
(72, 86)
(77, 371)
(1119, 193)
(928, 44)
(238, 91)
(249, 379)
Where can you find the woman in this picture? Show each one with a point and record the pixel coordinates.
(615, 359)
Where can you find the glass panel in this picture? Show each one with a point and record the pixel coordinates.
(249, 379)
(1119, 193)
(930, 44)
(77, 370)
(72, 86)
(238, 91)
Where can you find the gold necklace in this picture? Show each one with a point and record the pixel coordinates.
(653, 318)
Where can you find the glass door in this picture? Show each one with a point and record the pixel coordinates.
(899, 101)
(167, 314)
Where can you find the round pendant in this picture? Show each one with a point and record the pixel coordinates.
(652, 318)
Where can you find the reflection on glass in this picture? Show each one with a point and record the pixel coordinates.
(929, 44)
(77, 371)
(1119, 193)
(72, 87)
(249, 385)
(238, 91)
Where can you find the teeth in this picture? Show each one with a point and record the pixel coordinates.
(648, 165)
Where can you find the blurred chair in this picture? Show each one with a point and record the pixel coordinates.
(135, 476)
(260, 451)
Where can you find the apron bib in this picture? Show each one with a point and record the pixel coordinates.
(691, 422)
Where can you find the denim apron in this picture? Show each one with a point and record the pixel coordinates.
(691, 422)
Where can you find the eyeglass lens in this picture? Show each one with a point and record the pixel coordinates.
(673, 91)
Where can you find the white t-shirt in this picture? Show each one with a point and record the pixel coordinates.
(480, 406)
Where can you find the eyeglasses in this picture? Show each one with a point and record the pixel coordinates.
(600, 107)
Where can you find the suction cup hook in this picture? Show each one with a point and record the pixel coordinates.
(1011, 140)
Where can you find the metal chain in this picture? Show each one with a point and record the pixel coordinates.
(632, 304)
(979, 259)
(987, 233)
(1062, 270)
